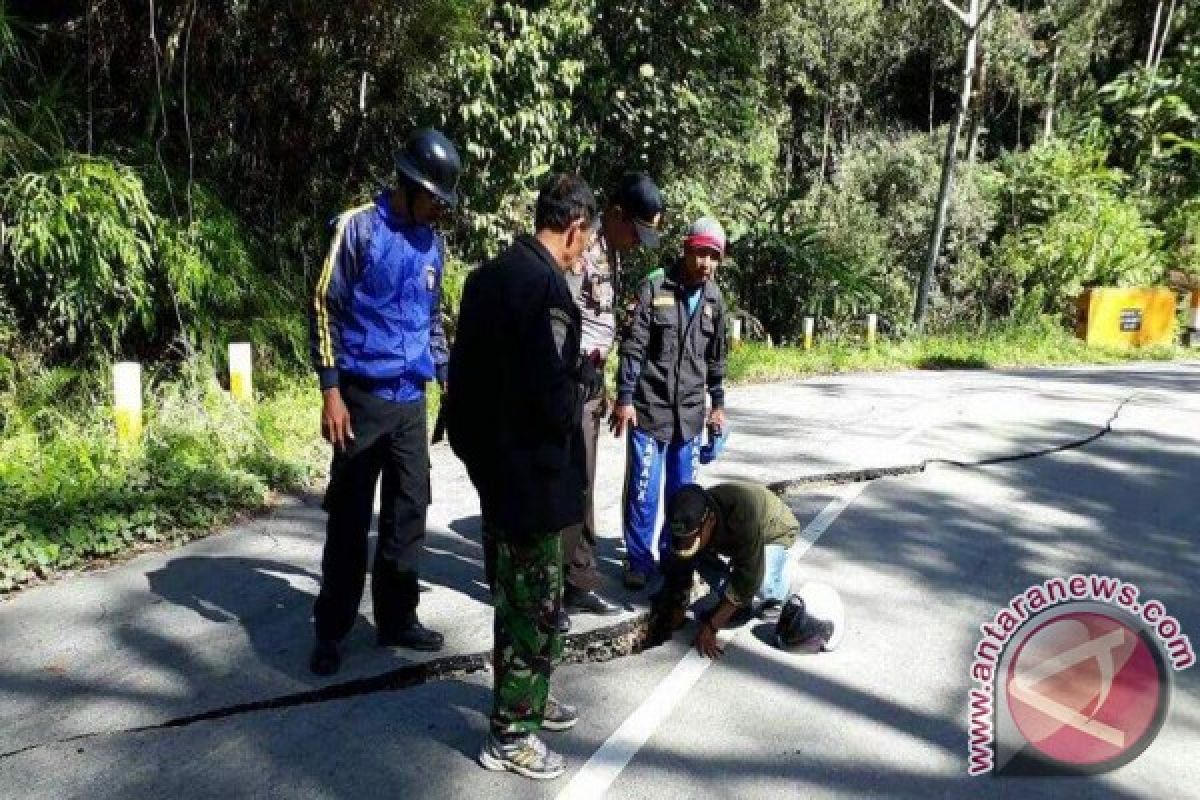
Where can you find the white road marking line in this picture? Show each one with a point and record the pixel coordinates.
(597, 775)
(815, 529)
(601, 770)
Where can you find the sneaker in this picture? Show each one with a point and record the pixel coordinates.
(634, 580)
(415, 637)
(325, 659)
(522, 753)
(588, 602)
(559, 716)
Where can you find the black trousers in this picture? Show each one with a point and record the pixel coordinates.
(390, 439)
(579, 541)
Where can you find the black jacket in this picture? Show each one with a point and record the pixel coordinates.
(669, 358)
(515, 394)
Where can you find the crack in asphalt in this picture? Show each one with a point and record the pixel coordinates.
(869, 474)
(603, 644)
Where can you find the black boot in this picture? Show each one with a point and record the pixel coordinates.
(414, 636)
(589, 602)
(325, 659)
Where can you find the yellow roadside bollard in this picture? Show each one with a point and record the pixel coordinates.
(872, 326)
(127, 400)
(809, 325)
(241, 369)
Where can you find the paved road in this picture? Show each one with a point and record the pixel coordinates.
(921, 559)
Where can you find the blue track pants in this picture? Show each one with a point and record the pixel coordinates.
(646, 460)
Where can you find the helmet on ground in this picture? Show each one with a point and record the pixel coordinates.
(431, 161)
(813, 619)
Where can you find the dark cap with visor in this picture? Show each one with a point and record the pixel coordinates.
(641, 200)
(685, 514)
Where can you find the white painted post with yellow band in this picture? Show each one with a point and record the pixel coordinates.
(127, 400)
(872, 327)
(809, 325)
(241, 372)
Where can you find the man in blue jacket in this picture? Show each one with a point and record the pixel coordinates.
(377, 339)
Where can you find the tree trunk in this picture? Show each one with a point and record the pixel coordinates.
(1048, 116)
(948, 161)
(825, 145)
(979, 97)
(1154, 35)
(165, 64)
(932, 88)
(1166, 34)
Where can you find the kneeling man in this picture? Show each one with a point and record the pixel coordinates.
(738, 536)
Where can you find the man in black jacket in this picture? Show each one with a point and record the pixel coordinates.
(516, 390)
(673, 350)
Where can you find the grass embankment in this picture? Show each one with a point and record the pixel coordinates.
(71, 496)
(756, 363)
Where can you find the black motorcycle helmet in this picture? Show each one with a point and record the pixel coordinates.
(430, 160)
(812, 620)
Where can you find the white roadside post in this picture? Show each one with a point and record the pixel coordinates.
(127, 400)
(809, 325)
(872, 326)
(241, 368)
(735, 331)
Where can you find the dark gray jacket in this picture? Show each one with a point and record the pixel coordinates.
(668, 359)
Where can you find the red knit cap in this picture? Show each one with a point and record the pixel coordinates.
(705, 233)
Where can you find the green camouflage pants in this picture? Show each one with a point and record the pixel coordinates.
(527, 593)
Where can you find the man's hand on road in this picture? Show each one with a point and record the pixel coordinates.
(622, 416)
(706, 642)
(335, 419)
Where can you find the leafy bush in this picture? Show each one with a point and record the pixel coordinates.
(80, 241)
(97, 270)
(1103, 242)
(1051, 177)
(788, 267)
(855, 245)
(1151, 119)
(1183, 237)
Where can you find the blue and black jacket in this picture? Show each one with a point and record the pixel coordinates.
(376, 310)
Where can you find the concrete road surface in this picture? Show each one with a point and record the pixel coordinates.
(156, 678)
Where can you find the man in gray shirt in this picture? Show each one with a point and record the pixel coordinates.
(630, 220)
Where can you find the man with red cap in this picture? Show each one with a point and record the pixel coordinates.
(671, 354)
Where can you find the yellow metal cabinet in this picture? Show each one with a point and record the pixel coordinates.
(1133, 317)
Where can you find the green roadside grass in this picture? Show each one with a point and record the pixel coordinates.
(71, 497)
(757, 363)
